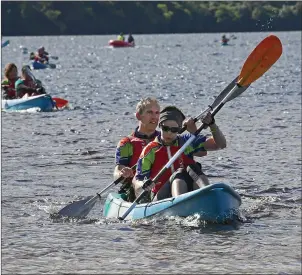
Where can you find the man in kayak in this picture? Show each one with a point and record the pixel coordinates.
(8, 84)
(121, 37)
(224, 40)
(26, 85)
(185, 174)
(41, 56)
(129, 148)
(130, 38)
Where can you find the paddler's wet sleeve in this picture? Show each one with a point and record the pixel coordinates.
(196, 146)
(145, 163)
(124, 152)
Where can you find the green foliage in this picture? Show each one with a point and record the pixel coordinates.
(101, 17)
(52, 14)
(257, 13)
(166, 13)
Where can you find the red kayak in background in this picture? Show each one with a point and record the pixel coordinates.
(120, 44)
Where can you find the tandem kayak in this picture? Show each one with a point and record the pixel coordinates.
(39, 66)
(216, 203)
(120, 44)
(43, 102)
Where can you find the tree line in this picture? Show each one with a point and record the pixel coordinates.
(146, 17)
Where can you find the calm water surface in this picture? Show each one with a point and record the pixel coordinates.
(51, 159)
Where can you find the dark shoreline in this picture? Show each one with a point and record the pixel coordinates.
(55, 18)
(115, 34)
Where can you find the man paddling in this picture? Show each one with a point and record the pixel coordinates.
(121, 37)
(184, 175)
(130, 38)
(129, 148)
(224, 40)
(41, 56)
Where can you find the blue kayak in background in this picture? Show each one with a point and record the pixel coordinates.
(216, 203)
(39, 66)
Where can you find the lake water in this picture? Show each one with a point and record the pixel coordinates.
(51, 159)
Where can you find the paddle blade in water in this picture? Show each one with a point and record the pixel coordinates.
(60, 102)
(260, 60)
(79, 209)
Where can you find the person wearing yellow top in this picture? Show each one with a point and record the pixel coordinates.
(121, 37)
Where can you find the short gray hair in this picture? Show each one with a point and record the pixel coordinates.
(143, 103)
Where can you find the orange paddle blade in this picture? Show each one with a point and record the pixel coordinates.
(260, 60)
(60, 102)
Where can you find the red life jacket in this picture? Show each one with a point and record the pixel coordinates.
(29, 83)
(138, 145)
(162, 158)
(41, 58)
(37, 58)
(11, 91)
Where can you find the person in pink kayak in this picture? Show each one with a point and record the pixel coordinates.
(130, 38)
(121, 37)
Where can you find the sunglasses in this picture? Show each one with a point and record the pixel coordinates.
(171, 129)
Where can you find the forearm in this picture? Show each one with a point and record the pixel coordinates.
(27, 89)
(218, 136)
(137, 186)
(117, 171)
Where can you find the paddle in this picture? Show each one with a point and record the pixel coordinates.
(51, 66)
(32, 56)
(258, 62)
(219, 98)
(54, 57)
(81, 208)
(60, 102)
(5, 43)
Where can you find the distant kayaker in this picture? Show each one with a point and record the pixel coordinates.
(185, 174)
(41, 55)
(129, 148)
(130, 38)
(26, 85)
(8, 84)
(224, 40)
(121, 37)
